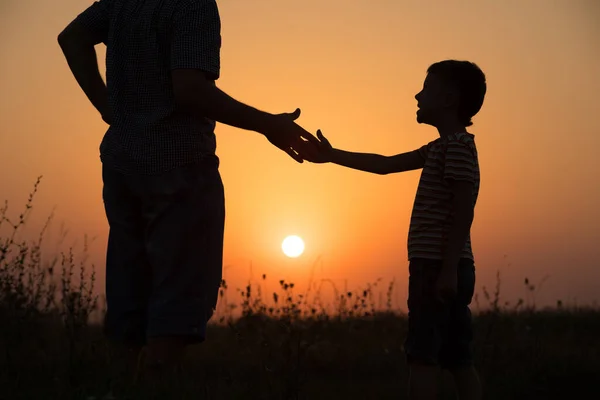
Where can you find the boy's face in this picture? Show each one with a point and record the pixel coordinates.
(435, 100)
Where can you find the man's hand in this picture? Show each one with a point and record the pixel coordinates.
(446, 285)
(325, 153)
(290, 137)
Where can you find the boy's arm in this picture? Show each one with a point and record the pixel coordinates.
(376, 163)
(462, 209)
(459, 173)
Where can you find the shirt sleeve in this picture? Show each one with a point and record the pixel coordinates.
(460, 162)
(196, 40)
(424, 151)
(96, 20)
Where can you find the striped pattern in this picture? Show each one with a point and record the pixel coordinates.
(145, 40)
(446, 159)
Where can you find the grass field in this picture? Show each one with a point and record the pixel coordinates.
(284, 348)
(540, 355)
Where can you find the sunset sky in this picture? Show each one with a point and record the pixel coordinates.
(353, 67)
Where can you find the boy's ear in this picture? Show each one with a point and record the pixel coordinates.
(452, 98)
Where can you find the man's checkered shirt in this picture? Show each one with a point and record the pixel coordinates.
(145, 40)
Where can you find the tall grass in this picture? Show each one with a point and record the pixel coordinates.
(33, 286)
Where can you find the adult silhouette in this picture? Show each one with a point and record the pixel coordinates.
(162, 190)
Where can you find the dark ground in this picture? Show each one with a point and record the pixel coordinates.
(525, 355)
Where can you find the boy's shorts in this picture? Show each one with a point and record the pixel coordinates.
(439, 333)
(165, 252)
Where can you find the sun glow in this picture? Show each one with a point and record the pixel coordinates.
(292, 246)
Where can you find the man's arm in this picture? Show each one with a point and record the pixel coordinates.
(77, 42)
(197, 94)
(378, 164)
(83, 62)
(195, 65)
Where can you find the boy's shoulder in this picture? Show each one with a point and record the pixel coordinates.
(461, 140)
(462, 137)
(438, 147)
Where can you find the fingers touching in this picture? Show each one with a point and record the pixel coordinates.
(292, 153)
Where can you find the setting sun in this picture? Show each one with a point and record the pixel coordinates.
(292, 246)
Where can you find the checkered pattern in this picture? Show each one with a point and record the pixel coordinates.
(145, 40)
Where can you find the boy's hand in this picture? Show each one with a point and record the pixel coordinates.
(325, 150)
(290, 137)
(446, 285)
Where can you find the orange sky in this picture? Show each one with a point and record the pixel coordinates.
(353, 67)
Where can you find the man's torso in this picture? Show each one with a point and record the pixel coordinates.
(148, 135)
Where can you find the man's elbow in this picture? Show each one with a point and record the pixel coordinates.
(63, 38)
(190, 102)
(74, 36)
(67, 40)
(68, 33)
(191, 91)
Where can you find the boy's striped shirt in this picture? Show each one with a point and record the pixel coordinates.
(451, 158)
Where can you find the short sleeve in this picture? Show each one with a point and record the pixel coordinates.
(96, 20)
(196, 40)
(460, 162)
(424, 151)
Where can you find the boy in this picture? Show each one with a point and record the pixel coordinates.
(441, 263)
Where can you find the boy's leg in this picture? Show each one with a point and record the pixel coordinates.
(456, 354)
(423, 342)
(184, 212)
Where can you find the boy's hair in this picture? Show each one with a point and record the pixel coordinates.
(470, 81)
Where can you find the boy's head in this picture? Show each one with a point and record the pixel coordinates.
(452, 89)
